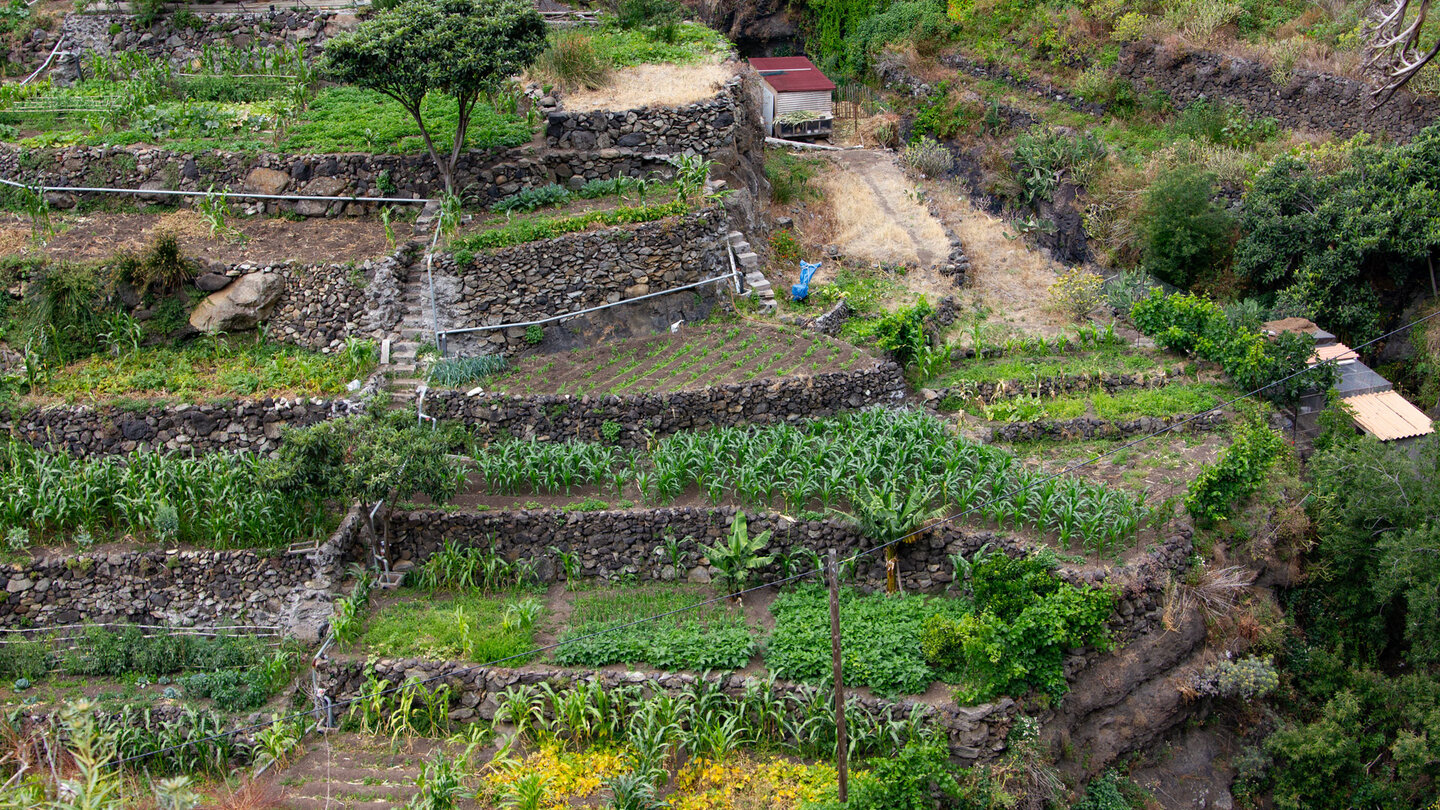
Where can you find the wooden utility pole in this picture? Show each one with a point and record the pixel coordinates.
(841, 747)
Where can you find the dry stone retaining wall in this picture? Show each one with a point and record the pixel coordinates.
(564, 417)
(975, 733)
(1083, 428)
(702, 128)
(179, 44)
(247, 426)
(574, 272)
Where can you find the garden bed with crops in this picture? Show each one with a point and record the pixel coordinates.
(696, 357)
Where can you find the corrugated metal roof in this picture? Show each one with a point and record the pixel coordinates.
(791, 74)
(1388, 416)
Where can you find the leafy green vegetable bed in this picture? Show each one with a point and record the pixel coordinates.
(713, 637)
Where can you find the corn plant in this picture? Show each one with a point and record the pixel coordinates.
(441, 783)
(277, 741)
(214, 209)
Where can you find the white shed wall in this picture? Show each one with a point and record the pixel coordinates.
(814, 101)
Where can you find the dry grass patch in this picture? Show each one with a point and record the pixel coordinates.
(15, 240)
(654, 85)
(877, 217)
(1008, 277)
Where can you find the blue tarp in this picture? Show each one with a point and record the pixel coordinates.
(799, 292)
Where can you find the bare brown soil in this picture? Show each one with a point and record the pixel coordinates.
(695, 357)
(653, 85)
(94, 237)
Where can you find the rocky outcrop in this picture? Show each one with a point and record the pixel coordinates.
(1306, 100)
(239, 306)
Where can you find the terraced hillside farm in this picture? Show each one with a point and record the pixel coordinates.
(473, 404)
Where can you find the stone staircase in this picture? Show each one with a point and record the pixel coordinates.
(755, 281)
(415, 329)
(355, 772)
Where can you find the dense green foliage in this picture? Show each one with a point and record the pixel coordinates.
(219, 500)
(1363, 730)
(910, 779)
(1330, 242)
(1194, 325)
(1187, 236)
(1023, 621)
(368, 456)
(713, 637)
(1046, 158)
(347, 119)
(846, 35)
(1238, 473)
(901, 333)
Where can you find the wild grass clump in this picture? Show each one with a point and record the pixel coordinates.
(466, 626)
(574, 61)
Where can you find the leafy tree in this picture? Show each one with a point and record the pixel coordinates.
(1186, 234)
(466, 49)
(888, 514)
(1331, 241)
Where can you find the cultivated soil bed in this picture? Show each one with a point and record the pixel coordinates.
(694, 358)
(263, 240)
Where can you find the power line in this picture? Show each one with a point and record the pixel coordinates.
(776, 583)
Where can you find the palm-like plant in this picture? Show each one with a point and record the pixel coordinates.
(739, 556)
(889, 514)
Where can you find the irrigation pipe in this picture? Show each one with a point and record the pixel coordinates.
(246, 195)
(44, 64)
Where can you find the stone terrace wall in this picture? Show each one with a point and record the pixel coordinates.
(1083, 428)
(700, 129)
(488, 174)
(621, 543)
(180, 587)
(247, 426)
(320, 305)
(1310, 100)
(976, 733)
(574, 272)
(761, 402)
(87, 34)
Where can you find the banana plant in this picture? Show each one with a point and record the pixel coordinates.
(739, 556)
(889, 515)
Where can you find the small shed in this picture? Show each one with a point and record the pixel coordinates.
(797, 99)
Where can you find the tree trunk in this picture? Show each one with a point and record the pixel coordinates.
(892, 564)
(446, 168)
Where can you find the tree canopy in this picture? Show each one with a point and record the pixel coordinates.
(467, 49)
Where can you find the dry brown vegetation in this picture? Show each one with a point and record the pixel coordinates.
(877, 216)
(653, 85)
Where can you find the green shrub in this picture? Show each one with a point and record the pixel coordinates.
(531, 198)
(902, 332)
(790, 176)
(784, 246)
(161, 268)
(1111, 791)
(1223, 124)
(909, 780)
(640, 13)
(1186, 236)
(232, 690)
(24, 659)
(928, 157)
(1237, 474)
(1024, 622)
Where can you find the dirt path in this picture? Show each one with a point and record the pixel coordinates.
(877, 216)
(1007, 277)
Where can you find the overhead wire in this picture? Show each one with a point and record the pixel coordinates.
(411, 683)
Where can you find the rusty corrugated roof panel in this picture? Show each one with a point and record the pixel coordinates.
(791, 74)
(1388, 416)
